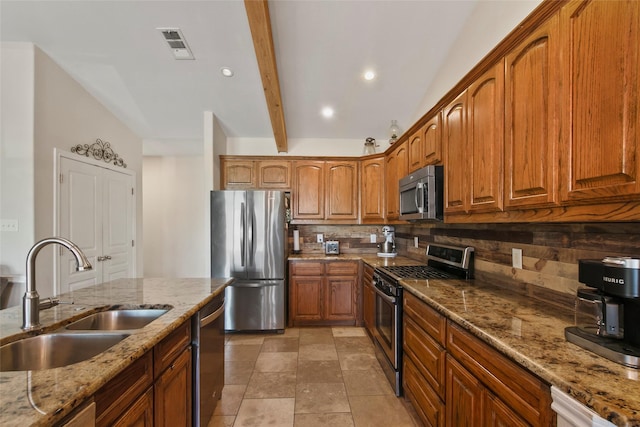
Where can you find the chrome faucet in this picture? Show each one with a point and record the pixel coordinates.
(31, 299)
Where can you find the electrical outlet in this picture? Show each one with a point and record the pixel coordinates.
(373, 238)
(9, 225)
(415, 241)
(516, 257)
(319, 238)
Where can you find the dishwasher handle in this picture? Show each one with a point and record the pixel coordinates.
(212, 317)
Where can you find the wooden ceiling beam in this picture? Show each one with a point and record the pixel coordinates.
(260, 24)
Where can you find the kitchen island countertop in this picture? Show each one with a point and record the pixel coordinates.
(38, 398)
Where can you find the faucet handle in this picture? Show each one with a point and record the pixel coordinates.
(51, 302)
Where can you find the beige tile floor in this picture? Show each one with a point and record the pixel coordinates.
(307, 377)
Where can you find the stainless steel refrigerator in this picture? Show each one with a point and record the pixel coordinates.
(248, 242)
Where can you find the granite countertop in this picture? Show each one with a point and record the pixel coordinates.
(38, 398)
(532, 333)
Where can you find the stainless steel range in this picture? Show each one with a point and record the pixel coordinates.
(443, 262)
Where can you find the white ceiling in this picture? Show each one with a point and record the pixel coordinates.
(322, 49)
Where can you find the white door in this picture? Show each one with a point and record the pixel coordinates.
(96, 213)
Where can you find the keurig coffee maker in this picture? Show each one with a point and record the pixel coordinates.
(608, 316)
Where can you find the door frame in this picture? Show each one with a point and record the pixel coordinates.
(58, 154)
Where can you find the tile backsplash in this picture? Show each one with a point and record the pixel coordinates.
(550, 252)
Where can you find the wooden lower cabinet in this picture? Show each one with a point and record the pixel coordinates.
(323, 293)
(368, 300)
(140, 414)
(154, 390)
(172, 393)
(453, 378)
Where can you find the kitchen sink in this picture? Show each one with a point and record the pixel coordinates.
(117, 320)
(55, 350)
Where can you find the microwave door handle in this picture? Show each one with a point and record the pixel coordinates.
(415, 195)
(420, 197)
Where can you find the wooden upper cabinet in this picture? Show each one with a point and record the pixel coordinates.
(342, 190)
(238, 174)
(485, 143)
(432, 141)
(255, 174)
(396, 167)
(533, 77)
(372, 188)
(274, 174)
(309, 189)
(601, 116)
(415, 150)
(456, 156)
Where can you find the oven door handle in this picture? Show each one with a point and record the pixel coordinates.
(384, 296)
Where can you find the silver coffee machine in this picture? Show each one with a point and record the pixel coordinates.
(607, 313)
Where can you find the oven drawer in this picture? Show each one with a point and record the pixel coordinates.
(426, 317)
(427, 355)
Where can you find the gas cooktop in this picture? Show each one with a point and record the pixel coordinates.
(443, 262)
(416, 272)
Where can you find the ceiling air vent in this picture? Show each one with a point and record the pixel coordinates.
(176, 42)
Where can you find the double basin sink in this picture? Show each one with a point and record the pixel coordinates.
(77, 342)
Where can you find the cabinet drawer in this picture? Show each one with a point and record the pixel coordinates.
(169, 348)
(426, 317)
(305, 268)
(522, 391)
(425, 401)
(119, 393)
(342, 268)
(427, 354)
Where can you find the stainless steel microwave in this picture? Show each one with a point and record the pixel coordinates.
(422, 194)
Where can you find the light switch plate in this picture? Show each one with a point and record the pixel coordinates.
(373, 238)
(415, 241)
(516, 257)
(9, 225)
(319, 238)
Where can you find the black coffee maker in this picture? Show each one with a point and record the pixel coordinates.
(608, 313)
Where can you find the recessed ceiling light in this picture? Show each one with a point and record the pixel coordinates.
(327, 112)
(369, 75)
(226, 71)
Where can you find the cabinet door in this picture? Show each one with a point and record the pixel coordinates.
(369, 299)
(238, 175)
(485, 121)
(372, 192)
(140, 414)
(172, 393)
(274, 174)
(396, 167)
(456, 156)
(342, 190)
(464, 396)
(532, 88)
(498, 414)
(308, 197)
(340, 298)
(432, 140)
(414, 150)
(601, 120)
(425, 401)
(306, 299)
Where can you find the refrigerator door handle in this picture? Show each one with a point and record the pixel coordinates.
(243, 233)
(250, 252)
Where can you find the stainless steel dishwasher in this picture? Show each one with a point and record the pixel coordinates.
(208, 359)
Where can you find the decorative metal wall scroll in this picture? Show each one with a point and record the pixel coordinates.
(100, 150)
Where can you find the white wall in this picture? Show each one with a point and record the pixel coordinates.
(64, 114)
(299, 147)
(16, 155)
(488, 24)
(176, 215)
